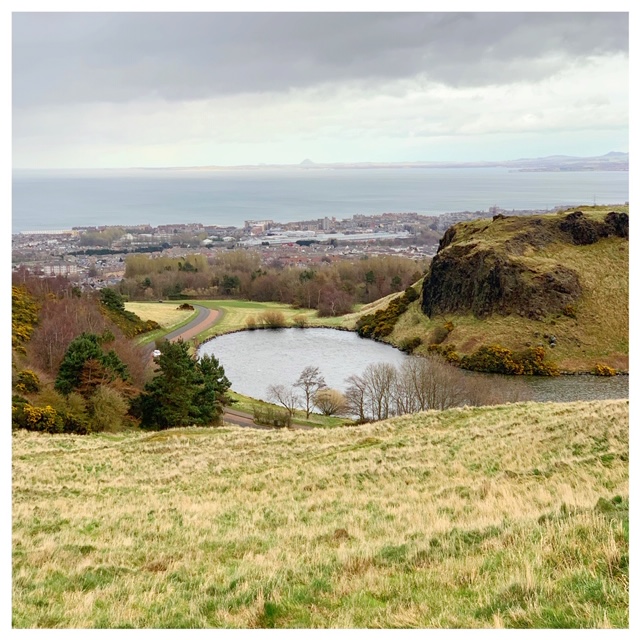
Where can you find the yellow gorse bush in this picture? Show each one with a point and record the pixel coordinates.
(24, 316)
(39, 418)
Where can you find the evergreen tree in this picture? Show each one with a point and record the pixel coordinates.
(211, 396)
(82, 349)
(184, 392)
(112, 299)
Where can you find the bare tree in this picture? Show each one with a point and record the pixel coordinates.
(380, 380)
(329, 401)
(482, 389)
(356, 396)
(421, 384)
(309, 382)
(430, 383)
(286, 396)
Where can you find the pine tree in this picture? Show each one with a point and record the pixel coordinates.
(185, 391)
(83, 349)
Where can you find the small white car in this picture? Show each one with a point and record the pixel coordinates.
(156, 353)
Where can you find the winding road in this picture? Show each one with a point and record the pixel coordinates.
(204, 319)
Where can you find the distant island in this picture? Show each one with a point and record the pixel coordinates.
(612, 161)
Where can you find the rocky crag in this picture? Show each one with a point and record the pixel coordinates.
(498, 266)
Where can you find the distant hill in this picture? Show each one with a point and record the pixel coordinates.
(559, 281)
(612, 161)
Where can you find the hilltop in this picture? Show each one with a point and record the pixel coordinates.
(558, 281)
(504, 516)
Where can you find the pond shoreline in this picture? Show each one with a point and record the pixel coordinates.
(564, 373)
(276, 357)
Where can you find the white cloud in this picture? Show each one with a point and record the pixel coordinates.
(343, 119)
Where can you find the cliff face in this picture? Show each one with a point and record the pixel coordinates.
(506, 265)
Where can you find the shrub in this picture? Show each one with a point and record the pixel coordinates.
(603, 370)
(34, 418)
(497, 359)
(24, 317)
(271, 416)
(74, 414)
(409, 345)
(107, 408)
(438, 335)
(533, 362)
(71, 410)
(300, 321)
(382, 322)
(410, 294)
(273, 319)
(330, 401)
(492, 359)
(27, 382)
(447, 351)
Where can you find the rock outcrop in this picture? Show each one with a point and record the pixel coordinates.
(495, 266)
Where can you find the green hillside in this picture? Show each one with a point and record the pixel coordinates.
(504, 516)
(559, 281)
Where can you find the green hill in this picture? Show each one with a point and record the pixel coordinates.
(557, 281)
(504, 516)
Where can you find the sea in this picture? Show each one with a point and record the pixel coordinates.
(59, 200)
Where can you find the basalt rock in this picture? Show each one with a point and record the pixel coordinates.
(617, 224)
(584, 231)
(505, 265)
(466, 279)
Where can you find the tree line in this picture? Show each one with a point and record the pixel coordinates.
(331, 287)
(383, 391)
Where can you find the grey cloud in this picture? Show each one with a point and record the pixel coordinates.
(61, 58)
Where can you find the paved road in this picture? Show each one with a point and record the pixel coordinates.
(204, 319)
(241, 419)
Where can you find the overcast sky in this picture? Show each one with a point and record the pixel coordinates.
(184, 89)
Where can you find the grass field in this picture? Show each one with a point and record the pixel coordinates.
(166, 314)
(506, 516)
(236, 313)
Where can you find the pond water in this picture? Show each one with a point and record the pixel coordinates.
(254, 360)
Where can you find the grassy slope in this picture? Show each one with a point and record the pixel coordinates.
(483, 517)
(168, 316)
(600, 332)
(247, 404)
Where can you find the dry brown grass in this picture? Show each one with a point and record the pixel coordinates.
(474, 517)
(167, 314)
